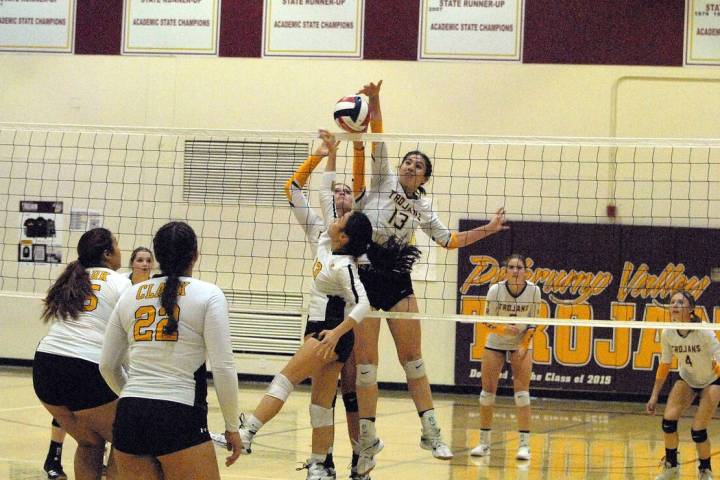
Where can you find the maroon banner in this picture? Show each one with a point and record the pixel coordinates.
(589, 272)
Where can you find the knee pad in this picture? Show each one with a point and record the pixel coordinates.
(522, 399)
(321, 416)
(280, 387)
(487, 399)
(669, 426)
(698, 436)
(350, 402)
(414, 369)
(366, 375)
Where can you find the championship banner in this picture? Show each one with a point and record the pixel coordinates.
(584, 271)
(171, 27)
(471, 30)
(313, 28)
(702, 32)
(37, 26)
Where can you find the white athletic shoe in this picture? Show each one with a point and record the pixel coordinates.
(317, 471)
(523, 453)
(435, 443)
(705, 474)
(219, 439)
(668, 472)
(366, 460)
(481, 450)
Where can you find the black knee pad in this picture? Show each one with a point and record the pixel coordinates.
(350, 401)
(698, 436)
(55, 423)
(669, 426)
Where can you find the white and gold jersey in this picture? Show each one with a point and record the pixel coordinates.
(391, 212)
(336, 276)
(171, 367)
(501, 302)
(697, 353)
(306, 217)
(82, 337)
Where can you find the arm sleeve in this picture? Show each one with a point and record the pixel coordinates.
(380, 170)
(114, 349)
(358, 170)
(437, 230)
(327, 198)
(355, 290)
(219, 349)
(306, 217)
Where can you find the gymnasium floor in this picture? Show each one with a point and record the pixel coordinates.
(572, 439)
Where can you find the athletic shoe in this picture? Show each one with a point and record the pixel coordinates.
(354, 475)
(219, 439)
(523, 453)
(54, 471)
(366, 462)
(669, 472)
(317, 471)
(435, 443)
(705, 474)
(481, 450)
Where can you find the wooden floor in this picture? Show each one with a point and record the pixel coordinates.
(571, 439)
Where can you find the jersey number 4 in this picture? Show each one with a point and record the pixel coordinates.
(688, 362)
(144, 331)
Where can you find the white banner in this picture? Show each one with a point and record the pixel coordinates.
(313, 28)
(37, 26)
(471, 29)
(702, 32)
(171, 26)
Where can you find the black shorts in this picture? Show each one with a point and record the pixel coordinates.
(71, 382)
(158, 427)
(334, 315)
(385, 290)
(698, 391)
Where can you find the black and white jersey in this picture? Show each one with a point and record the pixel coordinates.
(394, 214)
(697, 352)
(306, 217)
(82, 337)
(171, 367)
(336, 279)
(501, 302)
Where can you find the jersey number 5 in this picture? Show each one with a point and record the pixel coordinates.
(398, 219)
(91, 302)
(143, 330)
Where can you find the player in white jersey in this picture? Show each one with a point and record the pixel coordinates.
(336, 199)
(141, 264)
(168, 326)
(66, 377)
(337, 304)
(396, 208)
(512, 297)
(697, 352)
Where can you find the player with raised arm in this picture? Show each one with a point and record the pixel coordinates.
(168, 326)
(337, 304)
(336, 199)
(396, 207)
(697, 352)
(513, 297)
(66, 376)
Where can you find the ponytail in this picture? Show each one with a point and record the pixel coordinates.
(175, 246)
(393, 257)
(67, 296)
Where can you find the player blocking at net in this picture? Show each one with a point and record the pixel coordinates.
(396, 206)
(514, 296)
(697, 352)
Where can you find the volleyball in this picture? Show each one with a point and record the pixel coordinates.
(352, 113)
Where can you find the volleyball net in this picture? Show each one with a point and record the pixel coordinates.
(610, 227)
